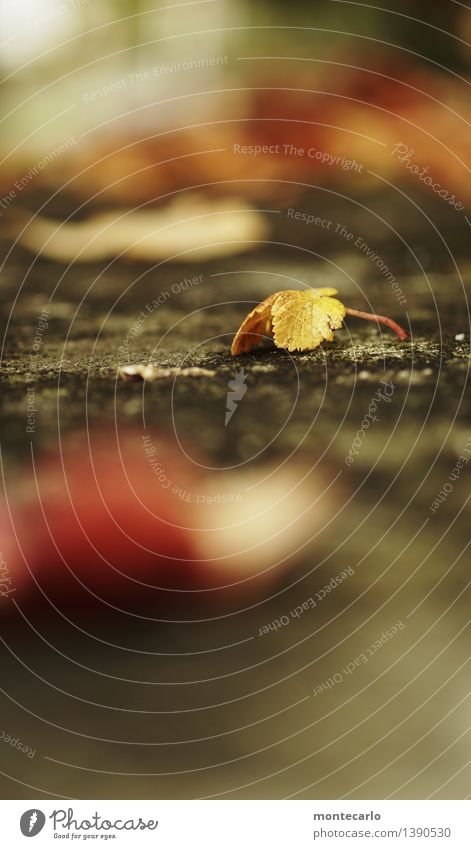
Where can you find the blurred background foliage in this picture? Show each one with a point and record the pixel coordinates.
(55, 51)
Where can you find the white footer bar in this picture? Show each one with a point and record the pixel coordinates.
(238, 824)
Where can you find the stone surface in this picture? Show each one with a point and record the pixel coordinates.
(261, 731)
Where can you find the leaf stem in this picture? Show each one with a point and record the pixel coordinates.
(381, 319)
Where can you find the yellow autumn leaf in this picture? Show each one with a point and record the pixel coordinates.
(296, 320)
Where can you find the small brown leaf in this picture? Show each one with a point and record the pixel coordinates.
(150, 373)
(256, 326)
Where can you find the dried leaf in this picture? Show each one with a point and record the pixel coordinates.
(150, 372)
(297, 320)
(256, 326)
